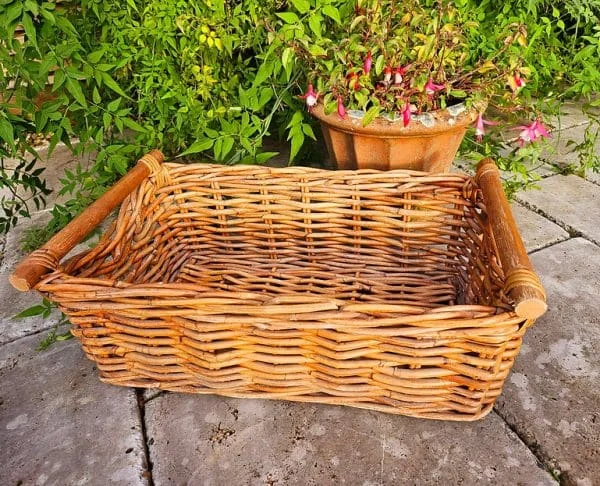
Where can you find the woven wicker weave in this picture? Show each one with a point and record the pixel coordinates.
(381, 290)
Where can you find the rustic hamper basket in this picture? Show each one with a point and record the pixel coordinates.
(404, 292)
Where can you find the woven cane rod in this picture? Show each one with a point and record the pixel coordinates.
(380, 290)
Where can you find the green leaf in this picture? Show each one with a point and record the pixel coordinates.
(107, 119)
(379, 64)
(308, 131)
(264, 71)
(7, 132)
(199, 145)
(74, 88)
(371, 114)
(287, 58)
(302, 6)
(296, 144)
(227, 146)
(95, 56)
(264, 156)
(133, 125)
(332, 13)
(458, 93)
(288, 17)
(96, 96)
(316, 50)
(112, 84)
(29, 29)
(36, 310)
(114, 105)
(12, 13)
(314, 22)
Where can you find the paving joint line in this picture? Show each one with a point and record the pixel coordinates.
(577, 125)
(543, 462)
(549, 245)
(159, 394)
(573, 232)
(30, 334)
(147, 463)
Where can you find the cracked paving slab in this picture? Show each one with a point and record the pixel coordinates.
(551, 399)
(210, 440)
(60, 425)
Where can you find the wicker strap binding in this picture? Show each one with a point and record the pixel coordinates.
(45, 257)
(523, 277)
(154, 161)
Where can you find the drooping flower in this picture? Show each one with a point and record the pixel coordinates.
(531, 132)
(311, 97)
(368, 63)
(406, 113)
(431, 88)
(387, 75)
(399, 73)
(353, 82)
(540, 130)
(341, 110)
(480, 126)
(519, 81)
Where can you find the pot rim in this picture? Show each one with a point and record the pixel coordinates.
(443, 122)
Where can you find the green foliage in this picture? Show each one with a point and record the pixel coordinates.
(54, 336)
(388, 55)
(35, 237)
(44, 310)
(211, 79)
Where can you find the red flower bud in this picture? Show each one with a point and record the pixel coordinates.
(368, 63)
(341, 110)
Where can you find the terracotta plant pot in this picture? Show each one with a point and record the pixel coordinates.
(428, 143)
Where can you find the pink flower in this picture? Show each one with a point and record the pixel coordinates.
(431, 88)
(406, 114)
(480, 126)
(540, 130)
(368, 63)
(341, 110)
(311, 97)
(531, 132)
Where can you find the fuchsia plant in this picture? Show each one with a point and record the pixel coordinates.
(395, 58)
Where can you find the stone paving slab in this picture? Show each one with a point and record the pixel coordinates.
(60, 425)
(210, 440)
(537, 232)
(570, 201)
(13, 302)
(552, 397)
(593, 177)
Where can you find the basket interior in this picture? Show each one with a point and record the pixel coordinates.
(391, 237)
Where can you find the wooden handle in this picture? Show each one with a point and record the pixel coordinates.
(522, 284)
(31, 269)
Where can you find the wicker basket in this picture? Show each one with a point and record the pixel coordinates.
(403, 292)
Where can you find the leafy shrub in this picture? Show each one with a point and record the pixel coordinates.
(208, 79)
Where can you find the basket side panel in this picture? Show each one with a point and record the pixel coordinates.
(448, 364)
